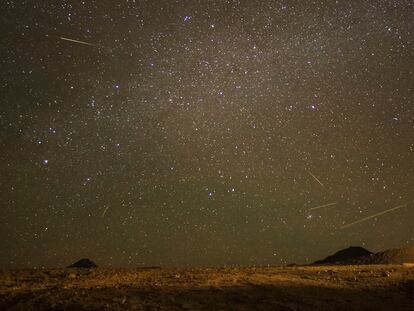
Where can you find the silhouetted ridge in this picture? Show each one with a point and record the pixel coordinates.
(393, 256)
(346, 255)
(83, 263)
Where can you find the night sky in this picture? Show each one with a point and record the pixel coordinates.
(176, 133)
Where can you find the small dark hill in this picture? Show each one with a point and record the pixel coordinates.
(83, 263)
(347, 255)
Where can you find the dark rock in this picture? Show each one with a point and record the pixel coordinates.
(386, 274)
(83, 263)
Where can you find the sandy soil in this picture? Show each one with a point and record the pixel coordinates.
(379, 287)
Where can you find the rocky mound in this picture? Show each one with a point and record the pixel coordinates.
(346, 256)
(83, 263)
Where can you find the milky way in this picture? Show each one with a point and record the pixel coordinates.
(204, 132)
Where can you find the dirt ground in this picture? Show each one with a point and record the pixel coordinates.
(375, 287)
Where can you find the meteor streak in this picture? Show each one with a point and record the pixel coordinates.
(320, 206)
(314, 177)
(375, 215)
(76, 41)
(104, 212)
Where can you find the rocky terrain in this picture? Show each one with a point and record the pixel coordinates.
(333, 287)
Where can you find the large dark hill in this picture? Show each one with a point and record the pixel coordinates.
(347, 255)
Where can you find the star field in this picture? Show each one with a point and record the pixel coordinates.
(204, 132)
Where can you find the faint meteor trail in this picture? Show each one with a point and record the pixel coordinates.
(76, 41)
(104, 212)
(320, 206)
(375, 215)
(314, 177)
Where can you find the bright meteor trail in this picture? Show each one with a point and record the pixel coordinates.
(76, 41)
(375, 215)
(314, 177)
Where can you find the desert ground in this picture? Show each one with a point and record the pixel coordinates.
(370, 287)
